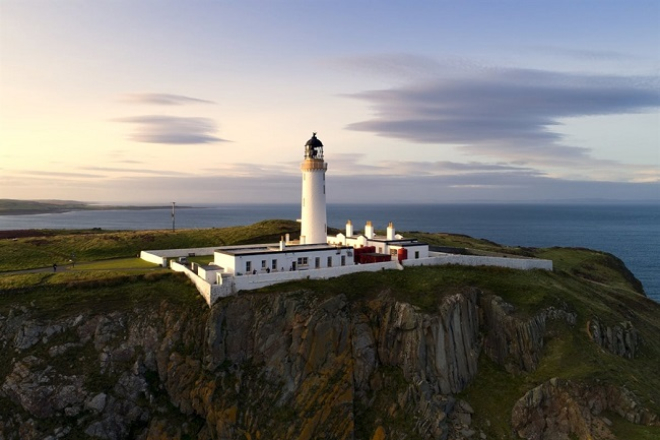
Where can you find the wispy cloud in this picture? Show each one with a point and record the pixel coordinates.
(506, 114)
(162, 129)
(135, 171)
(59, 174)
(162, 99)
(348, 164)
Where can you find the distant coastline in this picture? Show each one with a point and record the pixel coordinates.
(30, 207)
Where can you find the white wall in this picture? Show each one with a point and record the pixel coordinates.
(209, 274)
(237, 264)
(228, 284)
(210, 292)
(251, 282)
(437, 258)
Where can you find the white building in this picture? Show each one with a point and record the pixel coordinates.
(315, 255)
(391, 245)
(265, 258)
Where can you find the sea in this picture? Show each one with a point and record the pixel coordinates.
(629, 231)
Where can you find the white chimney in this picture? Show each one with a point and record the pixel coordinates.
(369, 230)
(349, 229)
(282, 243)
(390, 231)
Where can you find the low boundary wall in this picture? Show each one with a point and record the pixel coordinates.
(439, 259)
(229, 284)
(257, 281)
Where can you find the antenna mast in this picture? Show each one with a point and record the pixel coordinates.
(173, 216)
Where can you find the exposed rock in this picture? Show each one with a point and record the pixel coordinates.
(289, 366)
(517, 342)
(97, 403)
(559, 409)
(621, 339)
(41, 391)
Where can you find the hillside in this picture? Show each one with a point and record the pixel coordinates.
(116, 350)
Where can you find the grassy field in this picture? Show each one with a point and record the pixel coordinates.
(87, 246)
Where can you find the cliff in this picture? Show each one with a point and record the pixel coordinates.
(427, 353)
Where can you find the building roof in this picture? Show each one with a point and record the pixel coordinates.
(275, 249)
(314, 141)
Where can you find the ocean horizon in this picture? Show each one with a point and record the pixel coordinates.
(631, 231)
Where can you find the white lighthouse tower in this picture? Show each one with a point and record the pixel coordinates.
(313, 228)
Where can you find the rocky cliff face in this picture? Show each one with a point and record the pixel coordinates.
(621, 339)
(299, 365)
(295, 366)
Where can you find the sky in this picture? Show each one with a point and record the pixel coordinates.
(129, 101)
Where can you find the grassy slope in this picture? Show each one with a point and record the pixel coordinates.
(588, 282)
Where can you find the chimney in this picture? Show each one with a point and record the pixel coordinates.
(390, 231)
(349, 229)
(282, 243)
(369, 230)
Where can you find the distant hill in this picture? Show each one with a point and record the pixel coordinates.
(23, 207)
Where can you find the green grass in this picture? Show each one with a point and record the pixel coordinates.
(116, 264)
(43, 251)
(94, 295)
(623, 429)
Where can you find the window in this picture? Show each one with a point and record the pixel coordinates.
(416, 254)
(248, 266)
(302, 261)
(263, 264)
(273, 265)
(329, 261)
(343, 260)
(317, 262)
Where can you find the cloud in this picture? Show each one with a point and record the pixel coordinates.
(136, 171)
(504, 113)
(162, 99)
(348, 164)
(161, 129)
(61, 175)
(494, 185)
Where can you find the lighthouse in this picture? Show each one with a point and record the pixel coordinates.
(313, 228)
